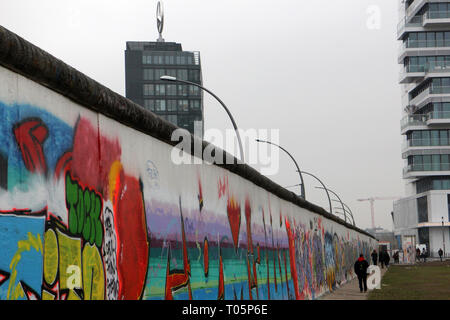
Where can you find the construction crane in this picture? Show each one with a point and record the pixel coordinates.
(372, 209)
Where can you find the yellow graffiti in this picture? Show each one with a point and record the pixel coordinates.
(50, 257)
(22, 246)
(63, 256)
(114, 172)
(93, 274)
(69, 255)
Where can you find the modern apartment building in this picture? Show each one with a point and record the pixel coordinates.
(422, 217)
(145, 62)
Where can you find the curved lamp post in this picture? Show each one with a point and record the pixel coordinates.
(443, 236)
(296, 164)
(342, 204)
(348, 211)
(173, 79)
(326, 190)
(351, 214)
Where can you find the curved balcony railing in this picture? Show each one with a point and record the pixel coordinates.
(414, 120)
(422, 119)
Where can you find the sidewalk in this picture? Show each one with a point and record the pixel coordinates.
(349, 291)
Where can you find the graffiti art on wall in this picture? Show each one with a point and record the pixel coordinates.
(99, 222)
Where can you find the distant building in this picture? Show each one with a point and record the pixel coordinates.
(180, 104)
(422, 217)
(385, 238)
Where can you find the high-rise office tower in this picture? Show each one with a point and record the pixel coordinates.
(422, 217)
(146, 62)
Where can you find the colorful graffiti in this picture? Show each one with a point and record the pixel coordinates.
(102, 221)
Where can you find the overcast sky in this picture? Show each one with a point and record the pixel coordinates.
(312, 69)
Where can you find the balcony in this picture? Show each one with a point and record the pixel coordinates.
(425, 143)
(416, 23)
(423, 47)
(433, 119)
(414, 73)
(436, 18)
(412, 122)
(427, 169)
(427, 94)
(438, 117)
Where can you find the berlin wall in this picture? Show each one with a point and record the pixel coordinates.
(92, 207)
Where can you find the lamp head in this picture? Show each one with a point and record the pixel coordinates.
(168, 78)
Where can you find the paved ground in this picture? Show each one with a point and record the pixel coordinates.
(349, 291)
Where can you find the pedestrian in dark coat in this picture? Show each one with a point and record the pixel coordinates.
(381, 259)
(440, 252)
(396, 257)
(374, 257)
(387, 258)
(418, 254)
(361, 266)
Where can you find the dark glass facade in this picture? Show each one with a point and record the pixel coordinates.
(422, 209)
(180, 104)
(424, 236)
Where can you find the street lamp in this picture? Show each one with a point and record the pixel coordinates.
(349, 211)
(351, 214)
(342, 204)
(174, 79)
(296, 164)
(326, 190)
(443, 236)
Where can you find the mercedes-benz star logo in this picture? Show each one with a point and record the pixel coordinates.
(160, 17)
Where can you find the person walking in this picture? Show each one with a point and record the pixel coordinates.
(374, 257)
(396, 257)
(381, 259)
(361, 266)
(424, 255)
(387, 258)
(440, 252)
(418, 254)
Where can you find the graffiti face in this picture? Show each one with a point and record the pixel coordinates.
(83, 217)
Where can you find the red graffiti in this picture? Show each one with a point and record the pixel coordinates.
(178, 279)
(175, 279)
(234, 218)
(63, 165)
(133, 246)
(92, 150)
(250, 280)
(221, 291)
(4, 276)
(223, 187)
(30, 136)
(292, 258)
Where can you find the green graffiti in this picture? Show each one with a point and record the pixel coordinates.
(84, 207)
